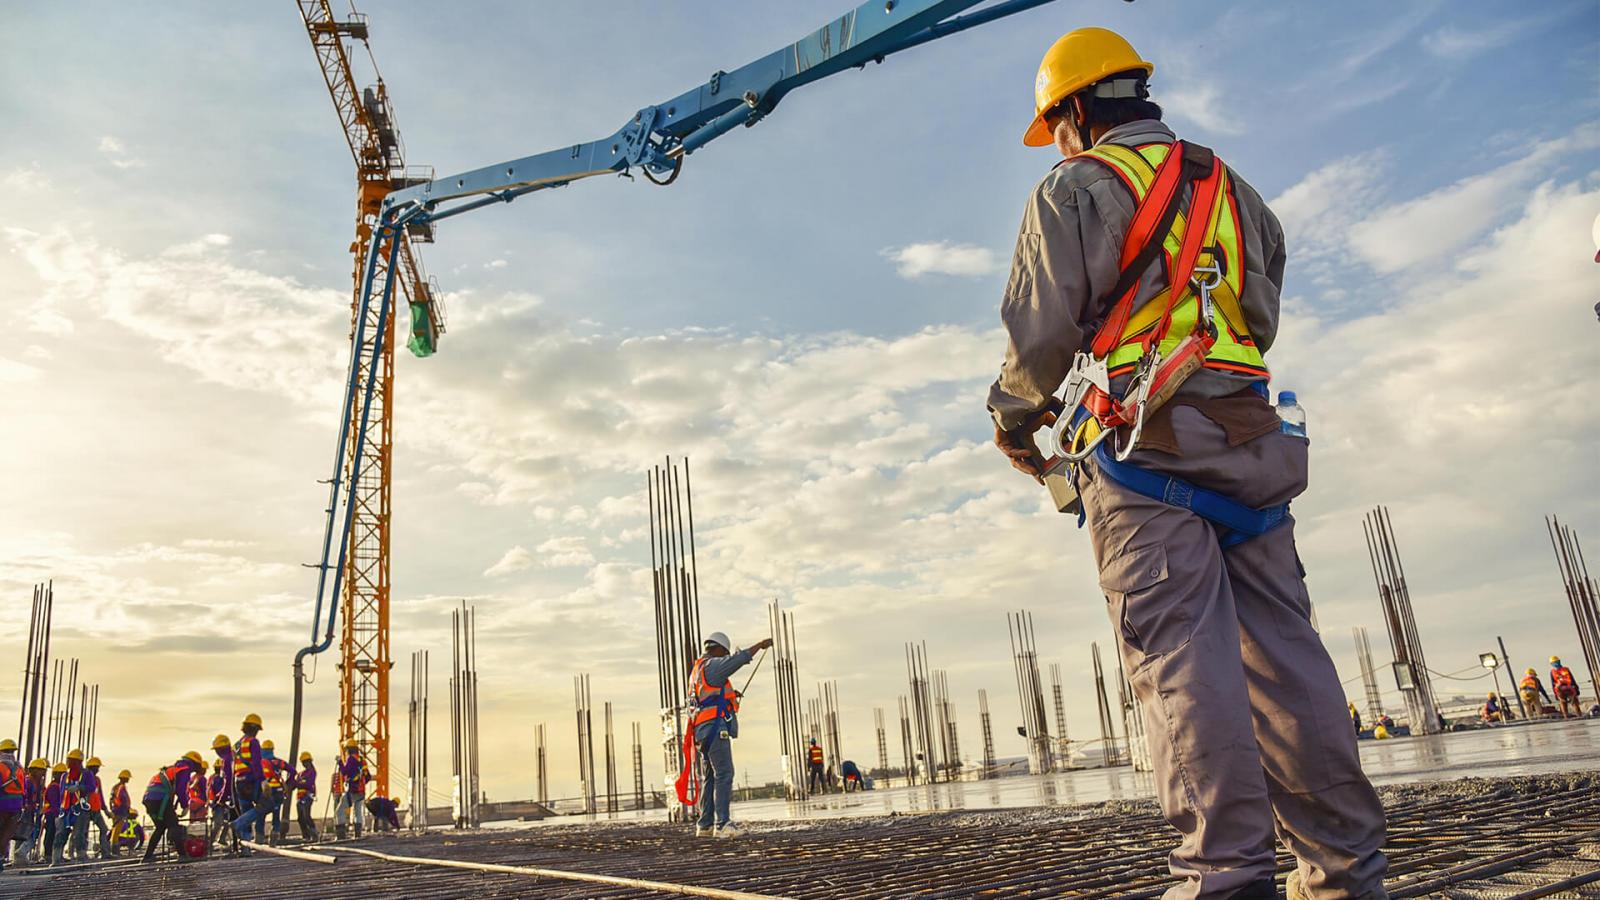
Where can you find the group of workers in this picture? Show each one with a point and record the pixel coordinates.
(1535, 699)
(820, 778)
(46, 811)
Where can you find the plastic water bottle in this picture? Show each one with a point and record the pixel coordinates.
(1292, 414)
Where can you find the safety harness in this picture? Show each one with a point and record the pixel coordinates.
(1195, 322)
(710, 703)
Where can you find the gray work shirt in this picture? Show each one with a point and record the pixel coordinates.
(1067, 261)
(718, 670)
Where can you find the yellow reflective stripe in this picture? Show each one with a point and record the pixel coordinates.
(1139, 171)
(1129, 174)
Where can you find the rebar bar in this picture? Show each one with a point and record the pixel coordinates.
(1394, 594)
(1030, 692)
(988, 735)
(1111, 752)
(1581, 593)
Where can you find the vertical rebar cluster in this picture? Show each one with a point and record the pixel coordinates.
(949, 742)
(1581, 594)
(883, 739)
(580, 696)
(417, 737)
(1111, 749)
(465, 797)
(1133, 725)
(1063, 743)
(905, 742)
(611, 764)
(1030, 692)
(676, 585)
(33, 724)
(1369, 674)
(69, 708)
(1410, 665)
(541, 763)
(922, 712)
(638, 768)
(785, 679)
(988, 735)
(825, 713)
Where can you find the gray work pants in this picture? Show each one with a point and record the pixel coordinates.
(1245, 716)
(716, 780)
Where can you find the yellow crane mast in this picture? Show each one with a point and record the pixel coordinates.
(369, 128)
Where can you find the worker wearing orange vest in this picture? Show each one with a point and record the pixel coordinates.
(274, 777)
(13, 795)
(121, 808)
(816, 775)
(1146, 280)
(247, 781)
(92, 804)
(350, 790)
(32, 829)
(164, 796)
(1565, 687)
(712, 728)
(70, 810)
(1534, 696)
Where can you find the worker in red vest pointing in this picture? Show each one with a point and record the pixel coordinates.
(1146, 282)
(714, 725)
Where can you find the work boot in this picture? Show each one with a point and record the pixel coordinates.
(340, 832)
(729, 830)
(704, 831)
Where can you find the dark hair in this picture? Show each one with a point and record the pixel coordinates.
(1103, 111)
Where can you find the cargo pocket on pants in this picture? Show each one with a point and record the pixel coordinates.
(1149, 618)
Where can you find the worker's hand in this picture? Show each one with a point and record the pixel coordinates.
(762, 644)
(1018, 444)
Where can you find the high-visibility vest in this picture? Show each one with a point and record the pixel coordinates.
(272, 771)
(13, 779)
(1530, 683)
(305, 785)
(52, 798)
(119, 798)
(93, 793)
(1561, 676)
(710, 702)
(165, 781)
(245, 751)
(815, 754)
(1234, 350)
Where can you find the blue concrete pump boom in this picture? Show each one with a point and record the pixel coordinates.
(656, 139)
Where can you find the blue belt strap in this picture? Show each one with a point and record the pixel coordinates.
(1236, 522)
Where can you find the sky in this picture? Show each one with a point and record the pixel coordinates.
(809, 314)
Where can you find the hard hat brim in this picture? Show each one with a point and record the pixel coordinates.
(1039, 133)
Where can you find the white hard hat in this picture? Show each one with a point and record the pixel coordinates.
(720, 639)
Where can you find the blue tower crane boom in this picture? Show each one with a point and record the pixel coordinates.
(656, 140)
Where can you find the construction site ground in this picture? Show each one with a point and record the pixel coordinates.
(1522, 837)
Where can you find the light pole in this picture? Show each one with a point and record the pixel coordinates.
(1492, 663)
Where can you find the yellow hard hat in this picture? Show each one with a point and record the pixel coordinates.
(305, 756)
(1554, 660)
(351, 744)
(1080, 58)
(59, 767)
(76, 755)
(93, 762)
(220, 741)
(266, 745)
(124, 775)
(1491, 695)
(41, 764)
(253, 719)
(216, 763)
(1531, 672)
(195, 757)
(8, 745)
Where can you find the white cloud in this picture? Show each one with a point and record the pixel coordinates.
(567, 550)
(515, 560)
(25, 179)
(1415, 231)
(115, 151)
(1203, 104)
(1457, 44)
(1318, 212)
(942, 258)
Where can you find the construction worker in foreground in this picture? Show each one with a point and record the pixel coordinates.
(1565, 687)
(1207, 600)
(121, 809)
(816, 774)
(305, 797)
(1534, 696)
(162, 799)
(92, 804)
(32, 828)
(715, 724)
(350, 802)
(13, 795)
(247, 781)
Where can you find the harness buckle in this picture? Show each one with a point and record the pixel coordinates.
(1203, 287)
(1137, 398)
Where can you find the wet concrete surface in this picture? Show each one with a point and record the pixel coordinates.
(1519, 749)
